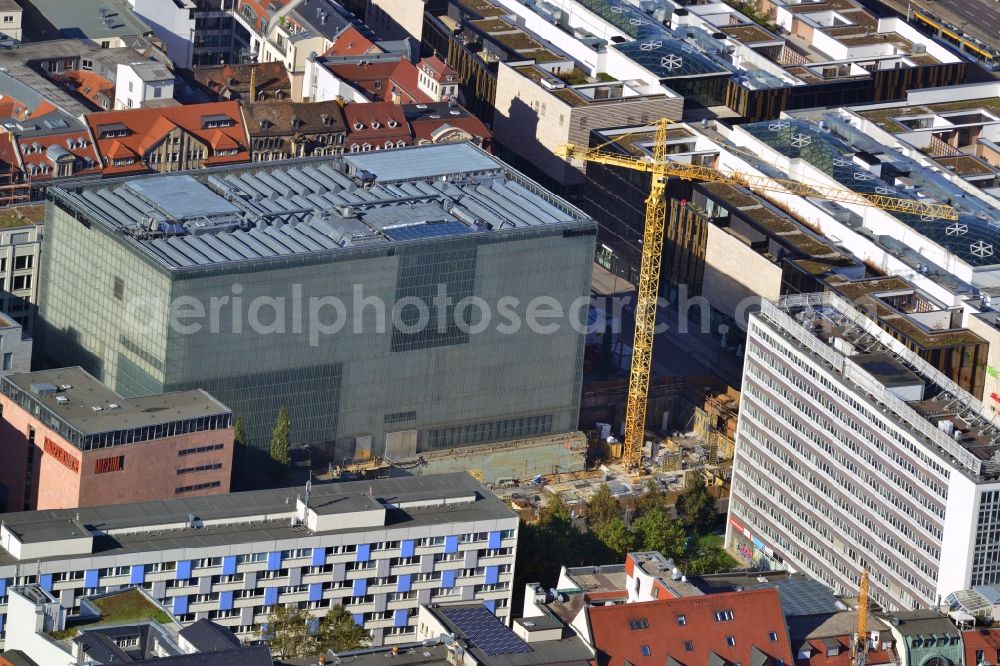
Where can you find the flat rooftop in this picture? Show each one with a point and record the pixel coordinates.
(317, 206)
(952, 424)
(260, 516)
(77, 398)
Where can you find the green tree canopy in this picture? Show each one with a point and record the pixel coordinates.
(287, 632)
(653, 498)
(338, 632)
(617, 537)
(240, 432)
(602, 508)
(280, 438)
(656, 531)
(696, 506)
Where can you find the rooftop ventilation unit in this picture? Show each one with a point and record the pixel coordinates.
(62, 400)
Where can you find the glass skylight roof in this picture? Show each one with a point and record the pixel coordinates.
(655, 46)
(669, 58)
(972, 239)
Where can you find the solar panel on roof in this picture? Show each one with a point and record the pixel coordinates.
(485, 631)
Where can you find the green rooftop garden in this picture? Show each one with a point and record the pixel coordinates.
(128, 607)
(20, 216)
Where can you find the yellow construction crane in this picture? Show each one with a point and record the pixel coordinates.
(859, 651)
(660, 168)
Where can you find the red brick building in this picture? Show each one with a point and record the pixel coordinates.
(716, 629)
(67, 441)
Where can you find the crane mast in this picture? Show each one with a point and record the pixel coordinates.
(859, 652)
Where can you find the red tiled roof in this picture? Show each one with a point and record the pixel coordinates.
(436, 68)
(987, 640)
(147, 127)
(88, 84)
(648, 633)
(351, 43)
(379, 80)
(843, 657)
(40, 157)
(376, 124)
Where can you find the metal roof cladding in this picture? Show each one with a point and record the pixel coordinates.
(972, 238)
(316, 205)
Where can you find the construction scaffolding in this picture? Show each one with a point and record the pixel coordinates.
(715, 424)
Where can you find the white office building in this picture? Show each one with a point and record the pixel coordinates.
(380, 548)
(853, 452)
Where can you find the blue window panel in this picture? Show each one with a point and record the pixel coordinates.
(315, 591)
(401, 618)
(183, 571)
(451, 544)
(3, 587)
(403, 583)
(313, 626)
(407, 548)
(492, 575)
(319, 557)
(90, 578)
(273, 561)
(359, 619)
(364, 552)
(360, 587)
(447, 579)
(494, 540)
(3, 620)
(270, 596)
(45, 580)
(225, 600)
(137, 574)
(229, 565)
(180, 605)
(491, 605)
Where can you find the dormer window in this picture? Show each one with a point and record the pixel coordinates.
(392, 123)
(216, 120)
(376, 124)
(358, 126)
(112, 130)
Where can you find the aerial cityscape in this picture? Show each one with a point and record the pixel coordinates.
(500, 332)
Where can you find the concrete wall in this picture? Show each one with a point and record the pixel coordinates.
(736, 275)
(321, 85)
(521, 459)
(533, 122)
(396, 19)
(172, 24)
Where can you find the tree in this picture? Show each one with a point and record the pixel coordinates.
(240, 432)
(338, 632)
(287, 632)
(696, 506)
(602, 508)
(710, 560)
(655, 531)
(653, 498)
(280, 437)
(553, 510)
(616, 535)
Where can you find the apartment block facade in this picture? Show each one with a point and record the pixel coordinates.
(853, 452)
(380, 548)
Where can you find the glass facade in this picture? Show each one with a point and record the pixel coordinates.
(104, 306)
